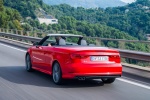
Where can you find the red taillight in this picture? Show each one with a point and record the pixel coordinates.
(115, 58)
(78, 56)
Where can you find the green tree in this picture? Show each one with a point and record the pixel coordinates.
(1, 5)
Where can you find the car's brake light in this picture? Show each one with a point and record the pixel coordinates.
(115, 58)
(78, 56)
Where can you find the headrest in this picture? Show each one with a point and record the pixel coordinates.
(91, 44)
(83, 42)
(62, 42)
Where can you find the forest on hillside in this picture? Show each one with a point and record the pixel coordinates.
(9, 18)
(128, 22)
(133, 19)
(66, 22)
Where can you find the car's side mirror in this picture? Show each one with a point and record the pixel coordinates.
(35, 43)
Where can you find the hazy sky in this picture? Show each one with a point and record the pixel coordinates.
(128, 1)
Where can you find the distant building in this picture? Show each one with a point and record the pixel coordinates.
(145, 7)
(147, 11)
(48, 21)
(28, 18)
(127, 10)
(43, 17)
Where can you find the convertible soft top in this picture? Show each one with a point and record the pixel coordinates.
(66, 35)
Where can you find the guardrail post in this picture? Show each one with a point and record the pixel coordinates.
(0, 30)
(21, 33)
(121, 44)
(7, 30)
(28, 34)
(98, 42)
(16, 31)
(35, 34)
(11, 31)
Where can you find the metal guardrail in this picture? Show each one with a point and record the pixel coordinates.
(20, 37)
(36, 34)
(121, 40)
(124, 53)
(135, 55)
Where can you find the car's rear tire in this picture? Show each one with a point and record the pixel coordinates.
(108, 80)
(57, 74)
(28, 63)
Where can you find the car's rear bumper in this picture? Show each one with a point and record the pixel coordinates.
(92, 71)
(90, 76)
(97, 77)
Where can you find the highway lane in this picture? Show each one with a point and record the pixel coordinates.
(17, 84)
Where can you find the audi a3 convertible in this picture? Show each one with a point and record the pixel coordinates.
(68, 56)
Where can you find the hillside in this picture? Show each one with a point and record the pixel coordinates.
(133, 19)
(118, 23)
(28, 8)
(25, 7)
(127, 18)
(87, 3)
(9, 18)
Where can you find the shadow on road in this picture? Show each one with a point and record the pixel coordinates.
(18, 74)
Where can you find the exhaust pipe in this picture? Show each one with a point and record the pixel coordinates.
(81, 78)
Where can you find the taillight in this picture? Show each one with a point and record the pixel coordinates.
(115, 58)
(78, 56)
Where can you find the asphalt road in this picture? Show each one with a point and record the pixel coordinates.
(17, 84)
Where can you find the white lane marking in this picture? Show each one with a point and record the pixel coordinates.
(12, 47)
(134, 83)
(120, 79)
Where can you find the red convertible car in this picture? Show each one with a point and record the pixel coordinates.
(67, 56)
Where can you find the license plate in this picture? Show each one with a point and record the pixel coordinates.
(99, 58)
